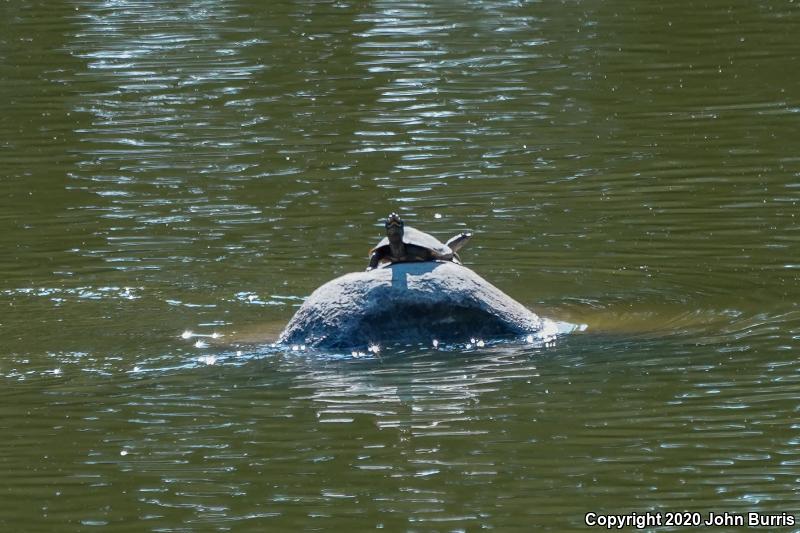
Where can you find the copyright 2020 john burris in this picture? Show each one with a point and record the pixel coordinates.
(687, 519)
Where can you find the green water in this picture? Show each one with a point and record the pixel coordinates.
(204, 165)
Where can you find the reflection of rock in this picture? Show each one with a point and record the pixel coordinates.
(407, 302)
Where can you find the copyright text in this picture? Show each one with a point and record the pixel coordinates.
(686, 519)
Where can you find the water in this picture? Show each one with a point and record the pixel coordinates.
(203, 166)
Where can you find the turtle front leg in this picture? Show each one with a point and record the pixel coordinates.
(374, 259)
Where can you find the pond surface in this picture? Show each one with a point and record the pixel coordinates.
(202, 166)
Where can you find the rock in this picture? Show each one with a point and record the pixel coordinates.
(408, 303)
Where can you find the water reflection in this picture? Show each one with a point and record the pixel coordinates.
(157, 132)
(411, 437)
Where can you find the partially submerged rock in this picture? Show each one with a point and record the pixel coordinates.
(408, 302)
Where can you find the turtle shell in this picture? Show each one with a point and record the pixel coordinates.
(423, 240)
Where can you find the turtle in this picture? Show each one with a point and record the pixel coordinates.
(404, 244)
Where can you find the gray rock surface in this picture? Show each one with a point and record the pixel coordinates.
(407, 302)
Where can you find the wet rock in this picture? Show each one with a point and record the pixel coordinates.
(411, 303)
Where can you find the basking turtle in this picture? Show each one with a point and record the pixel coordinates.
(404, 244)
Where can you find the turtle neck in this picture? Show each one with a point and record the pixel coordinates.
(397, 246)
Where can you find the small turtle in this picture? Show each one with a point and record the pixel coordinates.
(404, 244)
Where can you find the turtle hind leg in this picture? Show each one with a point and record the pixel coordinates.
(458, 242)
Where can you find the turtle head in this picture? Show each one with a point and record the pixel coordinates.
(394, 227)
